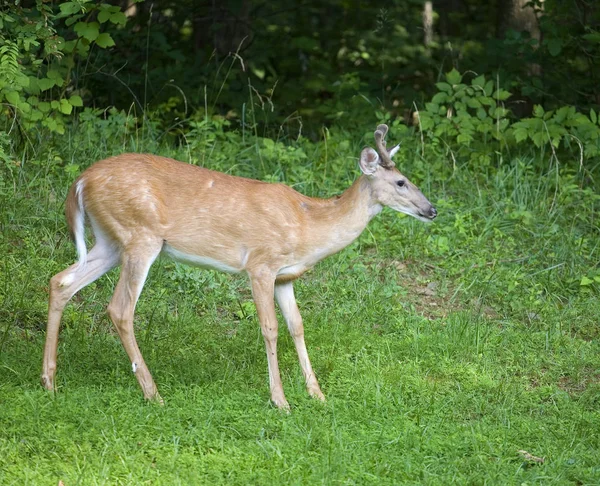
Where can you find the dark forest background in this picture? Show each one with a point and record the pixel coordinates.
(303, 62)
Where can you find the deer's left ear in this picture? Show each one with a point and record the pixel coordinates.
(393, 150)
(369, 160)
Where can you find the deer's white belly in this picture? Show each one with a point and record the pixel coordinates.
(198, 260)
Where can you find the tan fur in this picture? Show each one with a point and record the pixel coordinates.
(139, 205)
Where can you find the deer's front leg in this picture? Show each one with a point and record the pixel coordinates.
(284, 293)
(134, 270)
(263, 288)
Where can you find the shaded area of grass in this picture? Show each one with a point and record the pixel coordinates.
(443, 350)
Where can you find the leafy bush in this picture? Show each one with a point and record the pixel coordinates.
(471, 121)
(36, 63)
(564, 125)
(466, 116)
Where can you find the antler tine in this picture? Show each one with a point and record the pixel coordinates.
(384, 157)
(383, 128)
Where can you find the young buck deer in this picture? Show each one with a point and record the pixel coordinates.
(141, 205)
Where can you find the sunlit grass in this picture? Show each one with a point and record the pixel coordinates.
(443, 350)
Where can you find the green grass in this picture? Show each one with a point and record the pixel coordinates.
(442, 349)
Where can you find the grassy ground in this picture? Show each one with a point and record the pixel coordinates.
(444, 350)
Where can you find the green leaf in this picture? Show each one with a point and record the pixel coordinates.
(118, 18)
(50, 123)
(55, 76)
(444, 87)
(538, 139)
(76, 100)
(485, 126)
(464, 137)
(500, 112)
(460, 90)
(460, 106)
(473, 103)
(594, 37)
(45, 83)
(585, 281)
(36, 115)
(13, 97)
(561, 114)
(104, 15)
(453, 77)
(489, 88)
(24, 107)
(104, 40)
(65, 107)
(69, 8)
(425, 121)
(44, 106)
(432, 107)
(478, 81)
(521, 134)
(22, 80)
(486, 100)
(554, 46)
(268, 143)
(502, 95)
(439, 98)
(71, 20)
(88, 30)
(593, 116)
(538, 111)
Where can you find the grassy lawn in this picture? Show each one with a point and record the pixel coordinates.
(465, 351)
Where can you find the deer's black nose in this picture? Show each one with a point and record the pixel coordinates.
(432, 212)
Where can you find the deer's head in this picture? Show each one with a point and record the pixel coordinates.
(388, 185)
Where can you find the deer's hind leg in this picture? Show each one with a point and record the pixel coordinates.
(101, 258)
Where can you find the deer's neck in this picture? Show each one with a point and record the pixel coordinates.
(340, 220)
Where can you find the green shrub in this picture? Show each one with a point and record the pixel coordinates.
(471, 121)
(36, 63)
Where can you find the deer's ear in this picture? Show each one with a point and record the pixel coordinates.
(393, 150)
(369, 160)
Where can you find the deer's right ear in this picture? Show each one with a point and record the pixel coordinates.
(369, 160)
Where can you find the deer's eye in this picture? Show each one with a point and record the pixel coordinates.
(400, 183)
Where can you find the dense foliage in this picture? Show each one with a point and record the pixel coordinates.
(300, 65)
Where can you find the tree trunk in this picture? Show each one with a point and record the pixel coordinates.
(516, 15)
(427, 23)
(222, 26)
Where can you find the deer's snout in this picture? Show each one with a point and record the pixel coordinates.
(429, 214)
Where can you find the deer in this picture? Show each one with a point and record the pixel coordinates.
(139, 206)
